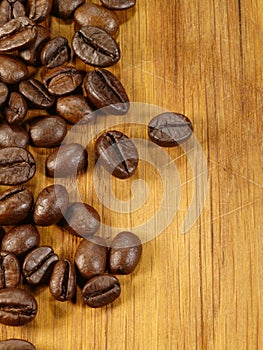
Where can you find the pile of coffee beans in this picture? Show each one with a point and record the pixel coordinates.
(69, 96)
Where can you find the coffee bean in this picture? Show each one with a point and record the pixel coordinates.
(125, 253)
(17, 165)
(97, 16)
(16, 109)
(38, 10)
(13, 136)
(12, 70)
(16, 344)
(117, 153)
(82, 220)
(51, 204)
(11, 9)
(15, 205)
(48, 131)
(101, 290)
(91, 257)
(95, 47)
(118, 4)
(36, 93)
(65, 8)
(17, 307)
(31, 55)
(67, 160)
(105, 90)
(62, 80)
(38, 265)
(55, 52)
(62, 283)
(20, 240)
(17, 34)
(75, 109)
(170, 129)
(3, 93)
(9, 270)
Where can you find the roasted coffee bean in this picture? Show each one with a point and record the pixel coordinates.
(51, 204)
(170, 129)
(20, 240)
(48, 131)
(17, 307)
(17, 166)
(118, 4)
(9, 270)
(31, 55)
(68, 160)
(82, 220)
(125, 253)
(55, 52)
(74, 109)
(62, 80)
(12, 70)
(15, 205)
(117, 154)
(65, 8)
(36, 93)
(16, 34)
(91, 257)
(101, 290)
(16, 344)
(38, 10)
(105, 90)
(3, 93)
(16, 109)
(11, 9)
(97, 16)
(95, 47)
(38, 265)
(13, 136)
(62, 283)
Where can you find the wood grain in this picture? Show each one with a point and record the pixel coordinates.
(202, 289)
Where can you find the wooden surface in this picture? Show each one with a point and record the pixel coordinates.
(202, 289)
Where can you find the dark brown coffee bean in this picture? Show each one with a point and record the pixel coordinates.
(91, 257)
(62, 80)
(31, 55)
(16, 344)
(15, 205)
(65, 8)
(101, 290)
(105, 90)
(13, 136)
(38, 265)
(68, 160)
(17, 307)
(36, 93)
(125, 253)
(118, 4)
(48, 131)
(51, 204)
(90, 14)
(3, 93)
(11, 9)
(12, 70)
(82, 220)
(95, 47)
(55, 52)
(170, 129)
(16, 34)
(9, 270)
(75, 109)
(20, 240)
(62, 283)
(17, 166)
(117, 154)
(38, 10)
(16, 109)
